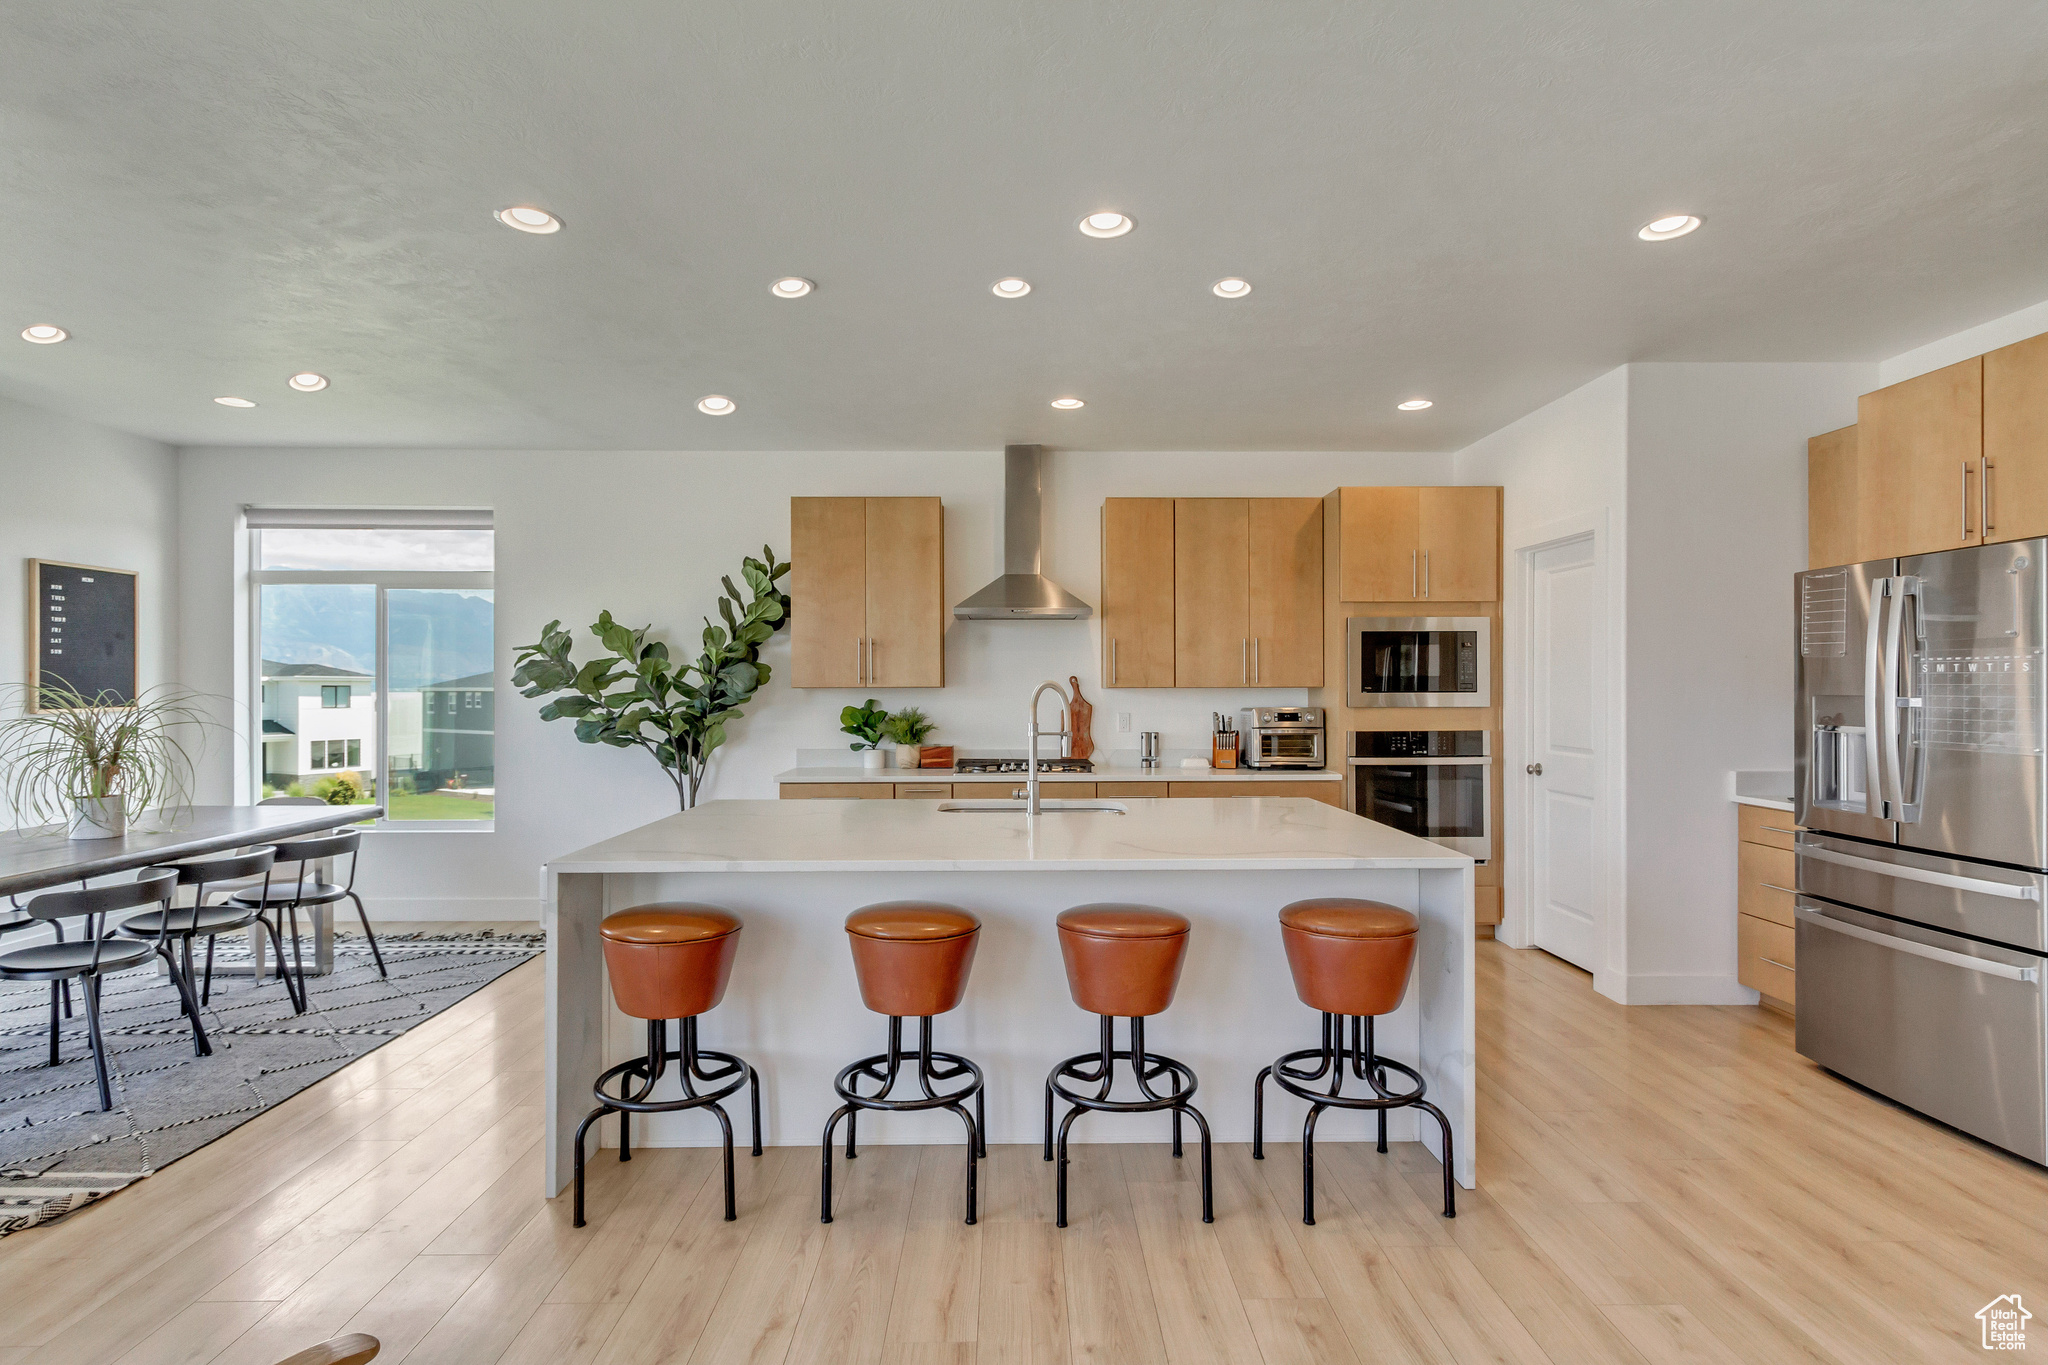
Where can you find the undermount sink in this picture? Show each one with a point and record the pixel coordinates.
(1044, 806)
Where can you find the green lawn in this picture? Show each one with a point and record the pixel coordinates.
(439, 806)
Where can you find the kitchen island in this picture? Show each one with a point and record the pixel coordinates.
(792, 870)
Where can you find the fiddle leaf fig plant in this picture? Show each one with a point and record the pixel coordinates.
(635, 696)
(865, 723)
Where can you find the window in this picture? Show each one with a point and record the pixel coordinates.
(376, 645)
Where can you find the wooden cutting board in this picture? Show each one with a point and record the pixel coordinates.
(1080, 722)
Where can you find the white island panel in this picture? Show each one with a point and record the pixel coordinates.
(793, 870)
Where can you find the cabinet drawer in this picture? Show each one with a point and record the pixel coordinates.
(1131, 790)
(1765, 887)
(1761, 825)
(924, 791)
(1765, 959)
(837, 791)
(1329, 792)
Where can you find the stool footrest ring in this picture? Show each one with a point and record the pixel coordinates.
(1145, 1068)
(928, 1068)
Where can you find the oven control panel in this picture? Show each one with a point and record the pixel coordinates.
(1418, 744)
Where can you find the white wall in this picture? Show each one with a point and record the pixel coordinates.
(1717, 516)
(647, 536)
(1563, 469)
(88, 495)
(1987, 336)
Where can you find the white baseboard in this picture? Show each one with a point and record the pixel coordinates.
(383, 908)
(1671, 988)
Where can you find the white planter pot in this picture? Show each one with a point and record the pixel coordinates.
(874, 758)
(98, 817)
(907, 755)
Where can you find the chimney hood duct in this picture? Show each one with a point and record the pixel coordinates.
(1022, 593)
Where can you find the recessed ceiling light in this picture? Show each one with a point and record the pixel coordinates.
(1415, 405)
(43, 334)
(1664, 229)
(307, 382)
(717, 405)
(1231, 288)
(1010, 287)
(791, 287)
(234, 402)
(1106, 225)
(1068, 404)
(527, 218)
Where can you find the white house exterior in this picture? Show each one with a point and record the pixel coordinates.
(317, 721)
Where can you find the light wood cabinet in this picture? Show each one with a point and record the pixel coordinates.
(867, 586)
(1832, 536)
(2014, 503)
(1419, 544)
(1330, 793)
(837, 791)
(1919, 448)
(1765, 944)
(1137, 592)
(1248, 592)
(924, 791)
(1139, 791)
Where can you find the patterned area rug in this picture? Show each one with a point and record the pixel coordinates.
(59, 1152)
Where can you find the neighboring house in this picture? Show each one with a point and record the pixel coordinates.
(458, 731)
(317, 720)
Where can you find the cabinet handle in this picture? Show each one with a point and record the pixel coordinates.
(1775, 963)
(1258, 663)
(1414, 580)
(1773, 886)
(1984, 499)
(1113, 672)
(859, 671)
(1244, 662)
(1425, 573)
(1966, 500)
(871, 661)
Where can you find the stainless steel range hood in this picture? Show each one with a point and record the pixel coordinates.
(1022, 593)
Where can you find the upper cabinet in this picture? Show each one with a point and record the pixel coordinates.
(2014, 504)
(1831, 479)
(1212, 592)
(1137, 592)
(1919, 449)
(1419, 544)
(867, 587)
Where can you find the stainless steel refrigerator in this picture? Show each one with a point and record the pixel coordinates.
(1921, 782)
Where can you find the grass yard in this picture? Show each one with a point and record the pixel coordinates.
(440, 806)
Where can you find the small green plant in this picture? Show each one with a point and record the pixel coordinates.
(909, 726)
(865, 723)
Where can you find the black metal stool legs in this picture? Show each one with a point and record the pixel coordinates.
(884, 1068)
(1146, 1067)
(691, 1070)
(1333, 1059)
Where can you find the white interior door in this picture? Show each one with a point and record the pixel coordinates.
(1566, 741)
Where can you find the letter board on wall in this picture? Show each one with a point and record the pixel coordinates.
(81, 630)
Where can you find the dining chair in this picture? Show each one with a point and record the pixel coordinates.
(185, 923)
(96, 952)
(301, 888)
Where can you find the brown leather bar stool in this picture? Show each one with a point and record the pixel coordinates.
(668, 962)
(1122, 961)
(912, 959)
(1351, 960)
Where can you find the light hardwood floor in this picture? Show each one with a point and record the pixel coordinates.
(1656, 1185)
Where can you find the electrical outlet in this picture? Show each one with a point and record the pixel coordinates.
(1123, 722)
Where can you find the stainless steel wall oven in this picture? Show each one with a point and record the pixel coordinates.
(1434, 784)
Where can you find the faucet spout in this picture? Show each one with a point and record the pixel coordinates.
(1032, 736)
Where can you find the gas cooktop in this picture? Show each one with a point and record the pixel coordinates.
(1017, 765)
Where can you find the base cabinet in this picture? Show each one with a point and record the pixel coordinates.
(1765, 945)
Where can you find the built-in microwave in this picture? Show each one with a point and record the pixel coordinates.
(1434, 784)
(1418, 660)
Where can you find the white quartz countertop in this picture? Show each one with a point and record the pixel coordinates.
(1176, 773)
(1767, 802)
(1241, 833)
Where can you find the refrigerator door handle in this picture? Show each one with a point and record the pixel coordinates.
(1808, 915)
(1976, 885)
(1879, 717)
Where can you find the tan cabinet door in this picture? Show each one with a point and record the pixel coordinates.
(1211, 591)
(1919, 444)
(1137, 592)
(1379, 544)
(836, 791)
(2015, 490)
(1460, 543)
(827, 592)
(1285, 591)
(906, 592)
(1831, 483)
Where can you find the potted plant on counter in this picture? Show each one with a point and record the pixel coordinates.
(909, 728)
(866, 724)
(93, 762)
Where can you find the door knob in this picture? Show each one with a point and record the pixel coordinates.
(1534, 770)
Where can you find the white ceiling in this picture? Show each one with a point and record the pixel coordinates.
(1430, 199)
